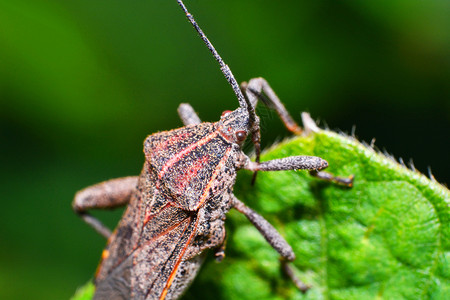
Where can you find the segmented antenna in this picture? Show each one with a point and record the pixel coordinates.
(244, 102)
(224, 67)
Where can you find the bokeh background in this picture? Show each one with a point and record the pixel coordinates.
(83, 82)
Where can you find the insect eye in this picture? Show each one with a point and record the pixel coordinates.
(241, 135)
(225, 112)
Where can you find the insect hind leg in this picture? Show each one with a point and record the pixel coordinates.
(105, 195)
(188, 114)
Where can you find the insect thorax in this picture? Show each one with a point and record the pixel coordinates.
(192, 164)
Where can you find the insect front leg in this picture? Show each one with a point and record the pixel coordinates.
(312, 163)
(259, 89)
(105, 195)
(286, 163)
(274, 239)
(347, 181)
(188, 114)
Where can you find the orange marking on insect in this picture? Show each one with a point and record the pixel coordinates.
(180, 154)
(167, 231)
(225, 112)
(218, 169)
(105, 254)
(177, 264)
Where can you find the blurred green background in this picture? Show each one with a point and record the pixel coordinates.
(83, 82)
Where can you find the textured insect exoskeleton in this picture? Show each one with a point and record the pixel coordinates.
(177, 206)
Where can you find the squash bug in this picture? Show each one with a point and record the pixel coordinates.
(177, 206)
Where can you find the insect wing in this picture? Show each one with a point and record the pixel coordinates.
(149, 270)
(165, 240)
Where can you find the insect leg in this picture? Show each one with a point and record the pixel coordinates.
(286, 163)
(219, 252)
(258, 89)
(105, 195)
(288, 270)
(310, 126)
(312, 163)
(266, 229)
(188, 114)
(274, 239)
(347, 181)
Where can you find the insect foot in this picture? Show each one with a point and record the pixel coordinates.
(177, 206)
(310, 127)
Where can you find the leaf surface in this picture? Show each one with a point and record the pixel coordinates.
(388, 236)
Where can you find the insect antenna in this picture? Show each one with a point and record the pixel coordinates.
(224, 67)
(243, 101)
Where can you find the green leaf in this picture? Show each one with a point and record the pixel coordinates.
(387, 237)
(84, 293)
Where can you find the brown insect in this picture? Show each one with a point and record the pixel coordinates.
(177, 206)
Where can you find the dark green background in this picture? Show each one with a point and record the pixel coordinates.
(83, 82)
